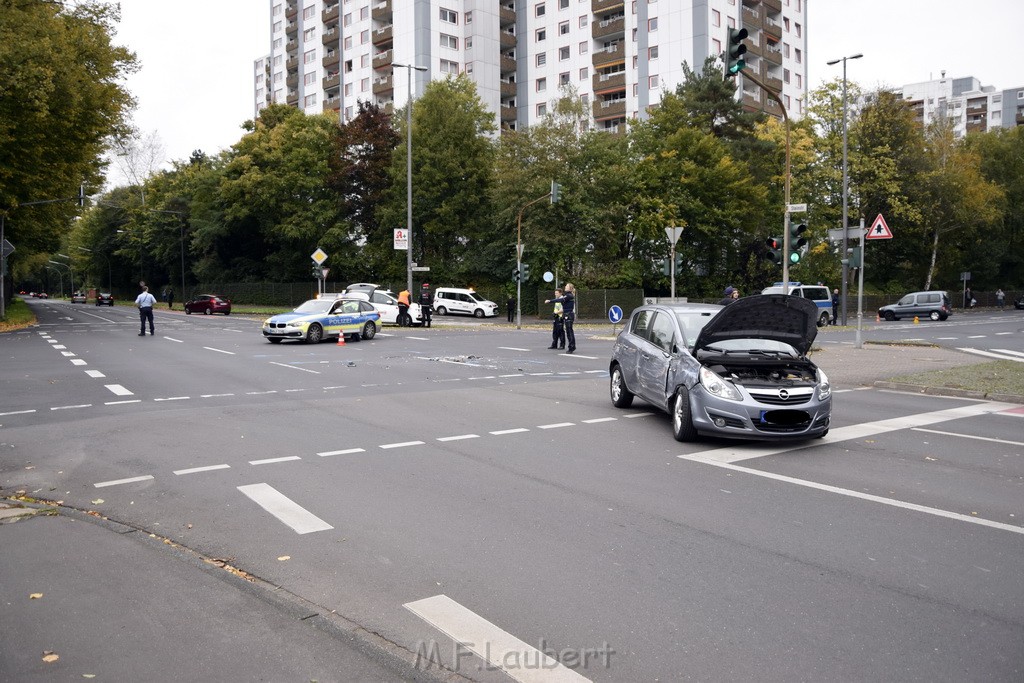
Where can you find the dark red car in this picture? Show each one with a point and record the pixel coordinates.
(207, 304)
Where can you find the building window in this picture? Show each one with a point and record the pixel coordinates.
(469, 67)
(469, 17)
(277, 10)
(716, 18)
(364, 13)
(585, 99)
(797, 27)
(542, 109)
(259, 94)
(563, 78)
(652, 82)
(563, 28)
(542, 58)
(277, 27)
(348, 19)
(449, 67)
(799, 81)
(348, 90)
(785, 75)
(716, 46)
(348, 42)
(364, 84)
(798, 55)
(787, 101)
(449, 16)
(309, 34)
(652, 52)
(785, 50)
(348, 66)
(542, 84)
(278, 95)
(309, 77)
(584, 47)
(278, 77)
(652, 24)
(563, 4)
(584, 73)
(364, 37)
(584, 20)
(539, 10)
(542, 34)
(277, 43)
(309, 12)
(259, 78)
(469, 42)
(309, 100)
(563, 53)
(348, 113)
(450, 42)
(309, 57)
(364, 61)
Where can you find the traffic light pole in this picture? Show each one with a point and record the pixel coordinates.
(519, 260)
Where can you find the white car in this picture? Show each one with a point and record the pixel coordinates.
(385, 302)
(456, 300)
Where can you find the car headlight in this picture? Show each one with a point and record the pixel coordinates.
(295, 323)
(824, 387)
(716, 386)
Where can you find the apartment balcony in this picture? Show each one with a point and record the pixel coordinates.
(772, 107)
(608, 82)
(382, 85)
(751, 18)
(608, 27)
(508, 113)
(752, 99)
(753, 44)
(291, 28)
(291, 46)
(330, 59)
(330, 13)
(772, 53)
(330, 37)
(508, 40)
(773, 5)
(382, 60)
(292, 81)
(292, 63)
(332, 81)
(291, 11)
(293, 98)
(613, 54)
(507, 64)
(506, 16)
(773, 83)
(603, 5)
(1020, 117)
(773, 28)
(332, 104)
(381, 11)
(508, 89)
(382, 36)
(609, 109)
(976, 108)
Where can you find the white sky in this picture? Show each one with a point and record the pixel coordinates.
(195, 87)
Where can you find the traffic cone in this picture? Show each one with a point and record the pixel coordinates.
(916, 320)
(878, 318)
(341, 339)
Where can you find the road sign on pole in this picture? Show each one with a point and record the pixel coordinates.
(879, 230)
(319, 256)
(401, 239)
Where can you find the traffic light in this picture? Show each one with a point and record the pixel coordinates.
(666, 267)
(515, 274)
(526, 271)
(774, 253)
(679, 262)
(556, 190)
(734, 51)
(796, 241)
(854, 260)
(81, 195)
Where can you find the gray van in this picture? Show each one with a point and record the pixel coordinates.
(935, 305)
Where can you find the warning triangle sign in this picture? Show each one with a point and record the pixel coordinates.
(879, 230)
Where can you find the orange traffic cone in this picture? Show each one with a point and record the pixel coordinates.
(341, 339)
(916, 320)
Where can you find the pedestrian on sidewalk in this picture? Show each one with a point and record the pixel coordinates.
(558, 324)
(835, 306)
(1000, 298)
(568, 301)
(404, 319)
(511, 309)
(426, 304)
(170, 298)
(145, 302)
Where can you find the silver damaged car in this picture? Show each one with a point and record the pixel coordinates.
(739, 371)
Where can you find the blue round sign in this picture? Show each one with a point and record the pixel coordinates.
(614, 314)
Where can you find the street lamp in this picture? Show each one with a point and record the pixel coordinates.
(844, 257)
(110, 279)
(58, 263)
(72, 272)
(60, 277)
(408, 171)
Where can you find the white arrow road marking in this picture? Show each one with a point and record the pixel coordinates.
(301, 520)
(119, 390)
(495, 646)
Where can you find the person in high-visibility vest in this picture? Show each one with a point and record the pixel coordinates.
(404, 320)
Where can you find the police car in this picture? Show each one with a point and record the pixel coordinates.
(319, 319)
(819, 294)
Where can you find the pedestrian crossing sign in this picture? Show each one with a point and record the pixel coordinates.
(879, 230)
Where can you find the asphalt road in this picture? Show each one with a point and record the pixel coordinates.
(465, 483)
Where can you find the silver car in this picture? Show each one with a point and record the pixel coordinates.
(739, 371)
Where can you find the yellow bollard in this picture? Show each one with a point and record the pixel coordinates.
(916, 320)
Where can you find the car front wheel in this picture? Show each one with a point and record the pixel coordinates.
(478, 313)
(314, 334)
(890, 316)
(207, 311)
(935, 315)
(188, 311)
(369, 331)
(441, 310)
(682, 424)
(823, 320)
(621, 396)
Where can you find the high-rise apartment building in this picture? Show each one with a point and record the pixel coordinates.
(619, 56)
(966, 102)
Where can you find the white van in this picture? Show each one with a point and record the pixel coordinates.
(466, 301)
(819, 294)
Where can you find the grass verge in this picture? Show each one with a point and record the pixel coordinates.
(18, 316)
(997, 377)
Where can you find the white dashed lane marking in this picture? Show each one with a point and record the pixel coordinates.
(269, 461)
(346, 451)
(117, 482)
(210, 348)
(402, 444)
(292, 367)
(208, 468)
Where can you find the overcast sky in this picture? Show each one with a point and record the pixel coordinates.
(195, 86)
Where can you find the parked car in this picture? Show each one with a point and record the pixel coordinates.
(819, 294)
(935, 305)
(319, 319)
(384, 301)
(455, 300)
(208, 304)
(43, 295)
(1019, 303)
(104, 299)
(739, 371)
(78, 298)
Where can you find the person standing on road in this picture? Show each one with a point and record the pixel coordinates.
(170, 298)
(835, 306)
(404, 320)
(558, 325)
(145, 302)
(1000, 298)
(968, 297)
(426, 304)
(511, 309)
(568, 301)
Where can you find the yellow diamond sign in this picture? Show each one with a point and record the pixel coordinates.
(319, 256)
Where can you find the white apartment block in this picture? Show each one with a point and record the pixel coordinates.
(618, 55)
(970, 105)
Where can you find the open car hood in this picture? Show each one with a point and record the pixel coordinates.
(779, 317)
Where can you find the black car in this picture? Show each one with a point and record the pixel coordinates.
(104, 299)
(1019, 303)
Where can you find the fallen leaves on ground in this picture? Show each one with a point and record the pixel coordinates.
(50, 657)
(284, 557)
(35, 596)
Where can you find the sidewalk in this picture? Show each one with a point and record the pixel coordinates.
(105, 601)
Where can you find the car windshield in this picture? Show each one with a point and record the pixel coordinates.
(476, 297)
(691, 323)
(754, 347)
(315, 306)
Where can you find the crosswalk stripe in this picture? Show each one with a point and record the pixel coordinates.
(301, 520)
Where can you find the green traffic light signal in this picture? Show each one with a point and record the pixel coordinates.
(796, 241)
(734, 51)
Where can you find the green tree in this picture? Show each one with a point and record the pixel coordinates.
(61, 96)
(1001, 157)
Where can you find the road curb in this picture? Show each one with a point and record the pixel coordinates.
(949, 391)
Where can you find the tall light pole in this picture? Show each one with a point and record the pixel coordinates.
(72, 273)
(408, 172)
(58, 263)
(846, 180)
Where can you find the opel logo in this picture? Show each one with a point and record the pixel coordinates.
(783, 394)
